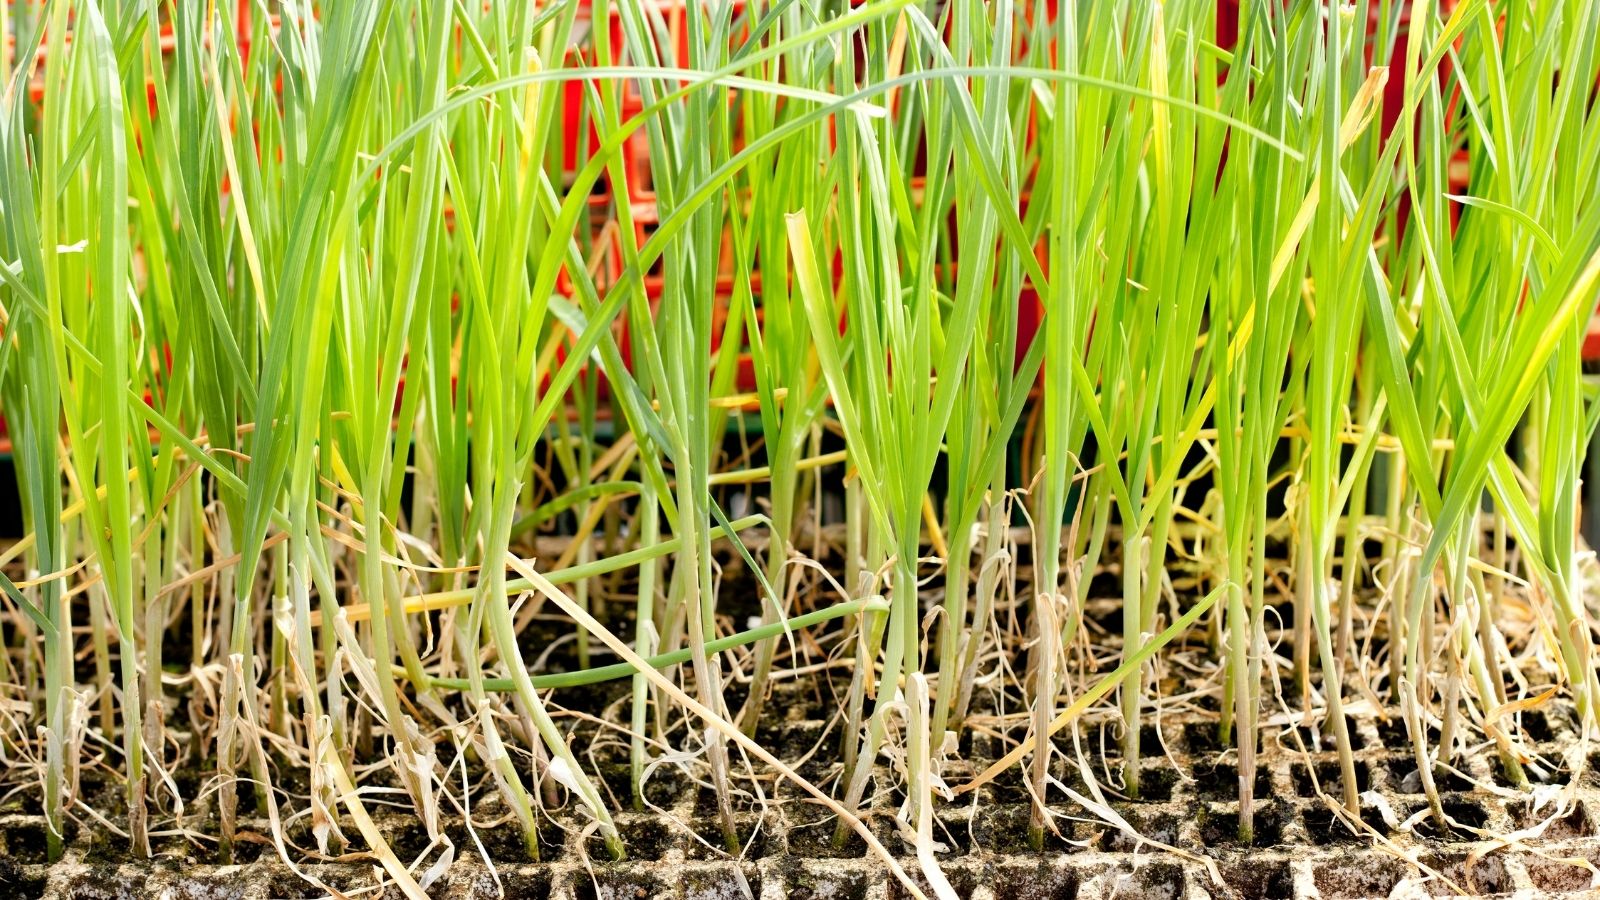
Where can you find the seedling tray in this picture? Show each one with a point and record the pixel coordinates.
(1300, 850)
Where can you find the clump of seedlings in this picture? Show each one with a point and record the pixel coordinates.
(519, 430)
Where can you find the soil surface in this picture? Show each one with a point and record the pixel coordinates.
(1301, 848)
(1180, 842)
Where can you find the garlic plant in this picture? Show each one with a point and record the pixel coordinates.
(342, 342)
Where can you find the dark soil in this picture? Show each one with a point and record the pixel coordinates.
(1187, 799)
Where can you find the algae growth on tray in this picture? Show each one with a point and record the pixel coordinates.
(649, 448)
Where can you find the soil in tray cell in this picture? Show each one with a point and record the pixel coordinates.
(790, 737)
(1324, 828)
(1574, 824)
(1151, 745)
(1466, 813)
(1200, 738)
(1041, 882)
(1403, 777)
(1358, 875)
(104, 882)
(1152, 742)
(1156, 783)
(225, 884)
(1538, 727)
(705, 803)
(662, 787)
(1392, 733)
(1146, 880)
(1004, 830)
(1322, 738)
(1486, 875)
(505, 844)
(647, 839)
(27, 803)
(811, 834)
(1153, 825)
(753, 842)
(954, 832)
(1329, 777)
(14, 882)
(1009, 787)
(963, 881)
(339, 877)
(1219, 831)
(1260, 879)
(812, 882)
(720, 882)
(25, 842)
(1218, 779)
(523, 881)
(1555, 877)
(630, 884)
(820, 770)
(1546, 770)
